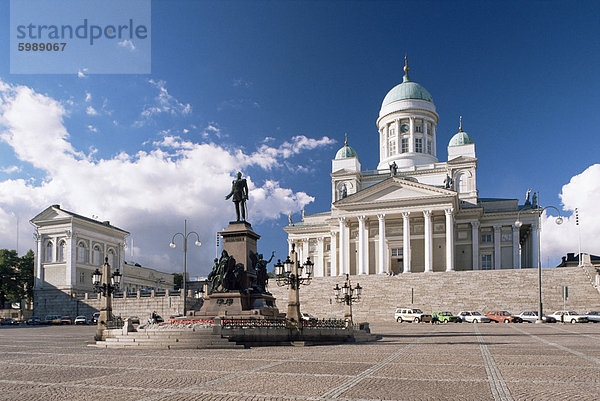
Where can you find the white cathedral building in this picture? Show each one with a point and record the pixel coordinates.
(414, 213)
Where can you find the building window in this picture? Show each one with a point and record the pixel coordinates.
(61, 251)
(418, 128)
(82, 277)
(419, 145)
(486, 262)
(328, 247)
(48, 252)
(82, 253)
(111, 257)
(396, 251)
(428, 147)
(404, 145)
(97, 255)
(392, 147)
(486, 238)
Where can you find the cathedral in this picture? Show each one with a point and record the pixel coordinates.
(414, 213)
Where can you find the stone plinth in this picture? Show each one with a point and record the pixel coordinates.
(239, 240)
(234, 304)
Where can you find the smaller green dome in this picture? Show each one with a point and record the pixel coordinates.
(461, 138)
(345, 153)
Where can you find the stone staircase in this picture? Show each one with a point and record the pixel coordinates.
(191, 338)
(512, 290)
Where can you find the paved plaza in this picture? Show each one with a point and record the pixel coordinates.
(411, 362)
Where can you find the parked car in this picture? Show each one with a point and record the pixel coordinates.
(66, 320)
(503, 316)
(411, 315)
(9, 322)
(80, 320)
(473, 317)
(34, 320)
(532, 317)
(593, 316)
(569, 317)
(52, 319)
(95, 317)
(134, 319)
(445, 317)
(307, 317)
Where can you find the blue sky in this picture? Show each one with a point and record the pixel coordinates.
(270, 88)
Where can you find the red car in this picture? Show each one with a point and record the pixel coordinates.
(503, 316)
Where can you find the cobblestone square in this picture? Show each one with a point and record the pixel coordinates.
(410, 362)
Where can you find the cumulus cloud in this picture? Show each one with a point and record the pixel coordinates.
(91, 111)
(148, 193)
(582, 192)
(91, 128)
(268, 156)
(88, 96)
(10, 169)
(81, 73)
(164, 102)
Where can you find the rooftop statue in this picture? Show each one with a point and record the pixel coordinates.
(239, 191)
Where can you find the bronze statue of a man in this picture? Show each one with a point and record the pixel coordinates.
(239, 191)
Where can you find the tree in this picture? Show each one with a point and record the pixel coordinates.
(16, 276)
(178, 280)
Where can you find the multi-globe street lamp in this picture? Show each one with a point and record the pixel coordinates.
(518, 224)
(106, 284)
(293, 274)
(348, 295)
(185, 234)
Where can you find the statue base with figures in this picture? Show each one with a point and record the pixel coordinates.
(239, 289)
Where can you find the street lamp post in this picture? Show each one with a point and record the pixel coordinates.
(105, 284)
(518, 224)
(185, 236)
(290, 273)
(348, 296)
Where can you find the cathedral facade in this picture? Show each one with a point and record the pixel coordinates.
(414, 213)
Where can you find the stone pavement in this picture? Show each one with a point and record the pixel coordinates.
(411, 362)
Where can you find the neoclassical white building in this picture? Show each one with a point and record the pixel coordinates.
(414, 213)
(70, 247)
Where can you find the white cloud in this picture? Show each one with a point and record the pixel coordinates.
(148, 193)
(91, 111)
(241, 82)
(582, 192)
(268, 156)
(164, 102)
(10, 169)
(92, 128)
(127, 44)
(81, 73)
(88, 96)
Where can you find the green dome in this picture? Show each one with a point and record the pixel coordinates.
(406, 90)
(345, 153)
(461, 138)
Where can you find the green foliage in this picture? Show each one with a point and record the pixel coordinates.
(16, 276)
(178, 280)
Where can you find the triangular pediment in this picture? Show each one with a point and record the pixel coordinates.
(343, 172)
(462, 159)
(51, 214)
(394, 190)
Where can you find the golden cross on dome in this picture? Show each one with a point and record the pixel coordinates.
(406, 64)
(346, 141)
(460, 126)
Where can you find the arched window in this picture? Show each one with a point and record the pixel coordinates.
(111, 258)
(62, 246)
(82, 252)
(97, 255)
(48, 252)
(462, 182)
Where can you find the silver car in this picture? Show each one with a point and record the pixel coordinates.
(593, 316)
(532, 317)
(473, 317)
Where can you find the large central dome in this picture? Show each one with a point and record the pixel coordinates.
(406, 90)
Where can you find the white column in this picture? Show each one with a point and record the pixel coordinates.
(290, 242)
(497, 248)
(406, 242)
(515, 241)
(475, 241)
(449, 240)
(534, 245)
(320, 264)
(343, 246)
(428, 241)
(361, 245)
(305, 249)
(411, 140)
(425, 131)
(433, 140)
(381, 267)
(333, 254)
(387, 140)
(39, 270)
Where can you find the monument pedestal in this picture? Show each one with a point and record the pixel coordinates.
(244, 299)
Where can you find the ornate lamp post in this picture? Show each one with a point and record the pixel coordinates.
(518, 224)
(348, 296)
(185, 236)
(293, 274)
(105, 284)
